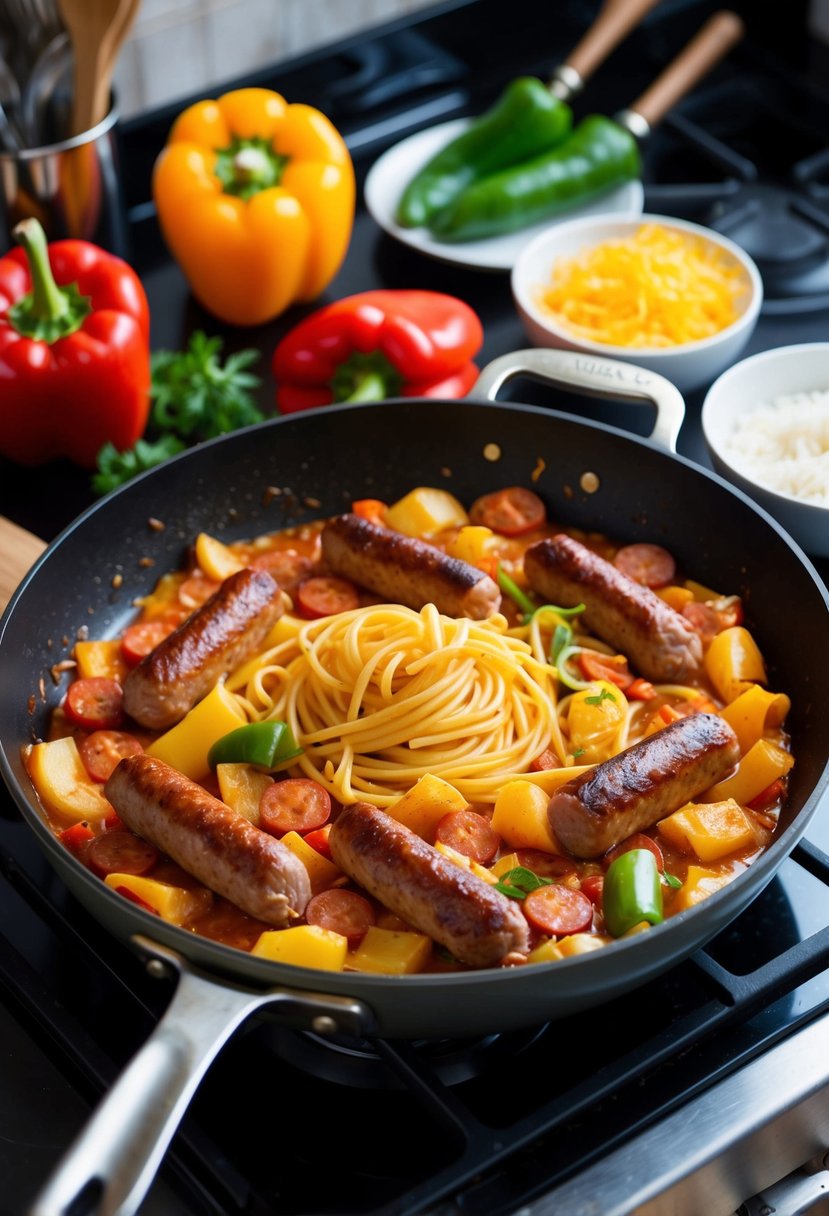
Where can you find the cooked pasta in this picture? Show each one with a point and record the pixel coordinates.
(382, 695)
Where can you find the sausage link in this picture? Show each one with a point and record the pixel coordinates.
(407, 571)
(217, 638)
(647, 781)
(477, 924)
(210, 841)
(660, 643)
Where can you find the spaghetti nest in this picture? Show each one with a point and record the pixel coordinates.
(382, 695)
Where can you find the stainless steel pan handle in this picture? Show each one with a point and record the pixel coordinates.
(110, 1167)
(594, 377)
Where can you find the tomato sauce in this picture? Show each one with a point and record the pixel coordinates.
(568, 898)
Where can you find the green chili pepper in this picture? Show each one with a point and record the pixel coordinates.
(599, 155)
(266, 745)
(525, 120)
(632, 892)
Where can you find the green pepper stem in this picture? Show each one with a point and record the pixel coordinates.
(48, 312)
(366, 377)
(48, 301)
(369, 387)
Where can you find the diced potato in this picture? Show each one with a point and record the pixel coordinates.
(390, 952)
(520, 817)
(63, 783)
(466, 863)
(472, 544)
(710, 830)
(763, 763)
(699, 884)
(322, 872)
(504, 864)
(283, 630)
(100, 659)
(548, 951)
(582, 943)
(304, 946)
(425, 804)
(241, 787)
(215, 559)
(425, 511)
(175, 904)
(185, 745)
(594, 719)
(675, 597)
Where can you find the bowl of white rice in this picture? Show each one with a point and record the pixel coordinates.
(766, 424)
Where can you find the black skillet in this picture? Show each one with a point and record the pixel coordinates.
(313, 464)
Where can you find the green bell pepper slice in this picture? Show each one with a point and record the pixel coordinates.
(524, 121)
(266, 745)
(632, 892)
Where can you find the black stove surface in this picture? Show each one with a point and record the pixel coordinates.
(284, 1123)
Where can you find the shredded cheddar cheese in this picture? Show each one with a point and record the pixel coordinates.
(657, 288)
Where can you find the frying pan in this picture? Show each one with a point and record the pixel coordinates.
(306, 465)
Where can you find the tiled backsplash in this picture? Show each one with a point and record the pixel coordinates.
(178, 47)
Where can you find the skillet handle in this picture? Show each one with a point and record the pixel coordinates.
(594, 377)
(111, 1165)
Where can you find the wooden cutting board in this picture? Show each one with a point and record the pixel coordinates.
(18, 551)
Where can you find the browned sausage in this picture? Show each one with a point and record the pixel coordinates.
(477, 924)
(659, 642)
(404, 570)
(217, 638)
(649, 780)
(209, 840)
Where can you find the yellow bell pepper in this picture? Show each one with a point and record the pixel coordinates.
(255, 199)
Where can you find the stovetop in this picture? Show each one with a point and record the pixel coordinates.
(284, 1124)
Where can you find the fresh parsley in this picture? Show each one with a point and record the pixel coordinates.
(519, 882)
(602, 695)
(195, 396)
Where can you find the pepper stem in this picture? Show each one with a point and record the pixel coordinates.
(366, 377)
(370, 387)
(48, 312)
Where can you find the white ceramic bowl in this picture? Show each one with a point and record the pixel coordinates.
(756, 380)
(688, 366)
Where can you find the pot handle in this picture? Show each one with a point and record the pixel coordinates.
(594, 377)
(109, 1168)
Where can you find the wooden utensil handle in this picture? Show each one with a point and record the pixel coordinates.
(716, 38)
(615, 21)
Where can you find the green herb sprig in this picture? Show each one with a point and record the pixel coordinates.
(195, 396)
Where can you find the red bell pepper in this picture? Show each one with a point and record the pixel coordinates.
(74, 350)
(378, 344)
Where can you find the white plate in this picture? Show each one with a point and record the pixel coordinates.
(392, 171)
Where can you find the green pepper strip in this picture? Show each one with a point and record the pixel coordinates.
(511, 588)
(632, 892)
(266, 745)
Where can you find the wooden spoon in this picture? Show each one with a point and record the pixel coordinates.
(97, 29)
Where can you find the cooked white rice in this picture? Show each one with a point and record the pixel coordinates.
(783, 444)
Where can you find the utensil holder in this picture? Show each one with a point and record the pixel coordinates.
(72, 187)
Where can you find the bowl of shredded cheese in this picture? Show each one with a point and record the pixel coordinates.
(766, 425)
(671, 296)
